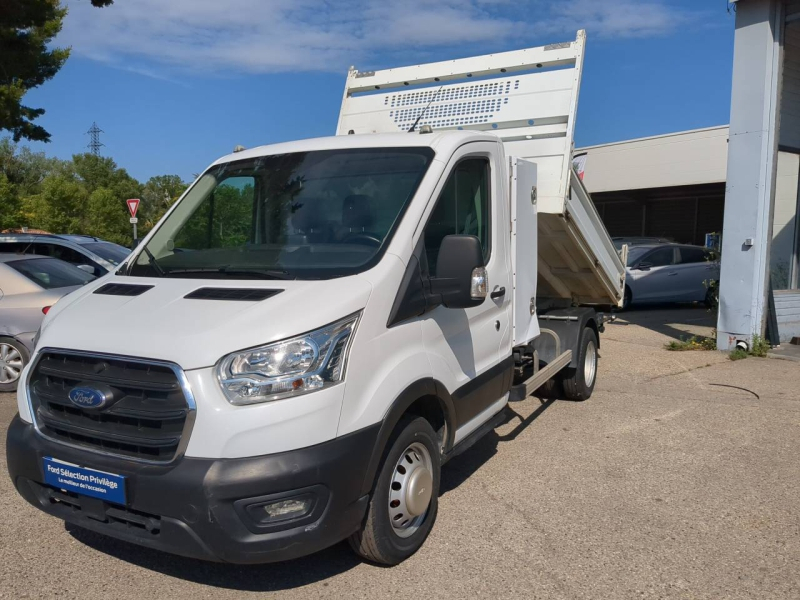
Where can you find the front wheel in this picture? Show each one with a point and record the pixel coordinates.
(405, 499)
(13, 358)
(579, 383)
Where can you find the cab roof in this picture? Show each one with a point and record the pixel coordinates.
(440, 141)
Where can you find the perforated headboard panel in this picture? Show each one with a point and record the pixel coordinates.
(528, 97)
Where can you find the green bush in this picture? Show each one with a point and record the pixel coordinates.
(692, 343)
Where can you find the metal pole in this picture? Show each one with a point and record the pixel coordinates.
(134, 235)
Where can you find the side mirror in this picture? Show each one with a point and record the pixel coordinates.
(87, 268)
(644, 266)
(461, 278)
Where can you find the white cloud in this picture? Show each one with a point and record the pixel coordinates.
(261, 36)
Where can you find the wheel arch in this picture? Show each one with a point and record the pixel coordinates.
(427, 398)
(569, 325)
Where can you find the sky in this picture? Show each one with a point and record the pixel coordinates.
(175, 84)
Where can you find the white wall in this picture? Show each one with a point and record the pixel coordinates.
(683, 158)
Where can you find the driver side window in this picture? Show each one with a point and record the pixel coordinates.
(462, 208)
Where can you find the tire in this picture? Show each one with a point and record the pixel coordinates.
(627, 299)
(13, 358)
(379, 540)
(550, 389)
(579, 383)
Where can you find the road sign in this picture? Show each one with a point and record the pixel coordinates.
(133, 206)
(134, 220)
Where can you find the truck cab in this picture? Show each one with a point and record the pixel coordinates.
(315, 328)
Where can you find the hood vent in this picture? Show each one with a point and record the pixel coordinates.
(122, 289)
(249, 295)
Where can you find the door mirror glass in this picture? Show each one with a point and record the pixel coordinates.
(461, 278)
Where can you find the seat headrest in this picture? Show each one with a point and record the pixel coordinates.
(357, 212)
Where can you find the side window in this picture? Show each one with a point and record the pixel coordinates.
(660, 258)
(14, 247)
(223, 220)
(692, 255)
(67, 255)
(462, 208)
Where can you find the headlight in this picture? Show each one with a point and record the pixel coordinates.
(310, 362)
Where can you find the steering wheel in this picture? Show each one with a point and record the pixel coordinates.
(362, 238)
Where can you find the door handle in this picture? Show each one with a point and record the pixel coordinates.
(498, 293)
(672, 274)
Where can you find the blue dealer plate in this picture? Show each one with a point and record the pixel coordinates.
(86, 482)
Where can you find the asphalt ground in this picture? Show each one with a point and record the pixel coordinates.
(679, 478)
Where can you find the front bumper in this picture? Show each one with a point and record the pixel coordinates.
(197, 507)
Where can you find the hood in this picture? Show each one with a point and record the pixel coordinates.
(161, 323)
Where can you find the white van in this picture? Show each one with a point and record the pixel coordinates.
(316, 327)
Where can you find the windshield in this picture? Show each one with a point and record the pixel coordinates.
(636, 252)
(113, 253)
(306, 215)
(51, 273)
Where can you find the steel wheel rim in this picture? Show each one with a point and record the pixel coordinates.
(414, 467)
(11, 363)
(590, 363)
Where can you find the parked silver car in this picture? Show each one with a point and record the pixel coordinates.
(670, 273)
(29, 286)
(91, 254)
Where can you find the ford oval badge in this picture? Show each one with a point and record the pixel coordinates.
(86, 397)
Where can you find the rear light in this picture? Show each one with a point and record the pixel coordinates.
(45, 309)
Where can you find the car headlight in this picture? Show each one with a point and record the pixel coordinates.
(303, 364)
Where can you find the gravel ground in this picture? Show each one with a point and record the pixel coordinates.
(679, 478)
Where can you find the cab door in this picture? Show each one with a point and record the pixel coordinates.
(470, 349)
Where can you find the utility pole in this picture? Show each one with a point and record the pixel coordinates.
(94, 139)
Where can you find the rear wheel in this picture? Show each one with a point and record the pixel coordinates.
(405, 499)
(579, 383)
(13, 358)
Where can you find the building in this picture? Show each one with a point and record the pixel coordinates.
(670, 186)
(743, 180)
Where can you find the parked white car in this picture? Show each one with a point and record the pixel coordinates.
(670, 273)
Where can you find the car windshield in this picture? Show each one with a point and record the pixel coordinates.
(636, 252)
(305, 215)
(113, 253)
(51, 273)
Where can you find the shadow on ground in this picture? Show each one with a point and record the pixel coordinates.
(252, 578)
(677, 321)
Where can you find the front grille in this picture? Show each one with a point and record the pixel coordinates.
(123, 517)
(146, 420)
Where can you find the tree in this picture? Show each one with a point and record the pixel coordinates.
(26, 29)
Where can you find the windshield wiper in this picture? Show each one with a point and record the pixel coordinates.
(228, 270)
(154, 263)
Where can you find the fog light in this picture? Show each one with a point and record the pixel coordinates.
(291, 508)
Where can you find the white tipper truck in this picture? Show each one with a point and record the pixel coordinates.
(294, 351)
